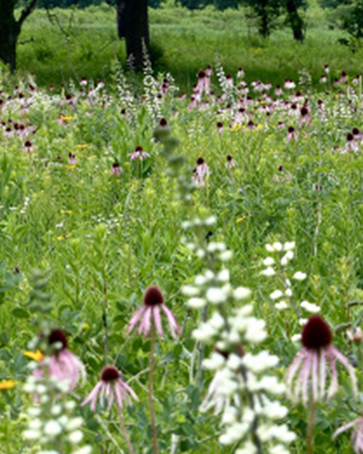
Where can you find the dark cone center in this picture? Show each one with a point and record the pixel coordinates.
(56, 336)
(153, 296)
(110, 373)
(316, 333)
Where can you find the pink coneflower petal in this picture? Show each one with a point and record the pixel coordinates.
(346, 427)
(157, 320)
(145, 322)
(135, 319)
(92, 397)
(322, 381)
(306, 369)
(130, 390)
(294, 367)
(314, 375)
(343, 360)
(174, 327)
(334, 375)
(118, 391)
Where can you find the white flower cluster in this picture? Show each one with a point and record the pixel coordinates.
(277, 265)
(242, 390)
(51, 424)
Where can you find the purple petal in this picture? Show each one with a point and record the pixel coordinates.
(173, 324)
(157, 320)
(135, 319)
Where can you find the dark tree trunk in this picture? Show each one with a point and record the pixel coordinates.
(9, 33)
(133, 25)
(10, 29)
(296, 21)
(121, 19)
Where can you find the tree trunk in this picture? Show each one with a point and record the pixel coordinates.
(121, 19)
(9, 33)
(133, 25)
(296, 21)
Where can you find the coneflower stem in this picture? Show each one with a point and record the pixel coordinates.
(124, 431)
(150, 388)
(311, 427)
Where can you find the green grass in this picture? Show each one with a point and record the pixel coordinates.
(184, 41)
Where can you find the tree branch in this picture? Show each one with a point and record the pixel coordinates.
(26, 12)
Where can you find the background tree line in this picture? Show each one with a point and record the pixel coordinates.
(133, 24)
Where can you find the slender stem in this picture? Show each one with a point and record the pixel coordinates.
(124, 431)
(311, 427)
(151, 399)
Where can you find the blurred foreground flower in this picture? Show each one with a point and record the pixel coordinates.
(8, 384)
(60, 363)
(310, 364)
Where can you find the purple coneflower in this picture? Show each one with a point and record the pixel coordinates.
(292, 134)
(230, 162)
(310, 364)
(139, 153)
(202, 168)
(72, 158)
(63, 364)
(111, 389)
(149, 314)
(28, 147)
(305, 116)
(116, 169)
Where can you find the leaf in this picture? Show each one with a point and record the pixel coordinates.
(19, 312)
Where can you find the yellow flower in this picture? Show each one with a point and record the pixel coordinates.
(259, 126)
(8, 384)
(66, 211)
(35, 356)
(236, 127)
(82, 147)
(71, 167)
(64, 237)
(66, 117)
(85, 326)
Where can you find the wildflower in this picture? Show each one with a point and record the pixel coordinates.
(112, 389)
(299, 276)
(139, 153)
(28, 146)
(292, 134)
(202, 168)
(8, 384)
(35, 356)
(355, 335)
(309, 307)
(62, 363)
(72, 159)
(357, 434)
(305, 116)
(116, 169)
(310, 363)
(230, 162)
(149, 314)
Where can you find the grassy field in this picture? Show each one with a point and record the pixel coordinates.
(80, 243)
(84, 42)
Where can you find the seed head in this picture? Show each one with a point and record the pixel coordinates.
(153, 296)
(316, 333)
(57, 336)
(109, 373)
